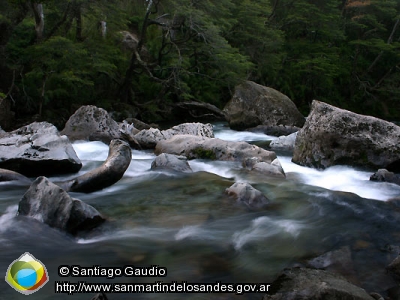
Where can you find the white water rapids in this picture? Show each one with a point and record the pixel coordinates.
(185, 223)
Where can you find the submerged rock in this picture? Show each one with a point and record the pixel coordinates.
(386, 176)
(48, 203)
(253, 104)
(333, 136)
(149, 138)
(91, 123)
(338, 261)
(171, 162)
(245, 194)
(38, 149)
(110, 172)
(310, 284)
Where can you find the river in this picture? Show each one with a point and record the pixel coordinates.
(185, 223)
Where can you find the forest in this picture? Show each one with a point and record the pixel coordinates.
(142, 57)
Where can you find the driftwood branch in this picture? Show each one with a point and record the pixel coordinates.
(111, 171)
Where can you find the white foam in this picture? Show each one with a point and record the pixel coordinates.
(194, 231)
(263, 228)
(93, 151)
(238, 136)
(342, 178)
(220, 168)
(155, 234)
(7, 217)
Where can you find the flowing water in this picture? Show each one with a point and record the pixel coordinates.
(185, 223)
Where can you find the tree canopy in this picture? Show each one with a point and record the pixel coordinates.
(143, 56)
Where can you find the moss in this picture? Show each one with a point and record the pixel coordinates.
(203, 153)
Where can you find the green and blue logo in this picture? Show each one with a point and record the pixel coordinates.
(27, 274)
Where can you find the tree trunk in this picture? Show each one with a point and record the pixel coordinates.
(39, 19)
(125, 91)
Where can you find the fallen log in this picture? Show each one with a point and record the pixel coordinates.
(8, 175)
(111, 171)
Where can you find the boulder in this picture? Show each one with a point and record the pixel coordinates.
(111, 171)
(91, 123)
(386, 176)
(245, 194)
(249, 162)
(253, 104)
(149, 138)
(171, 162)
(7, 175)
(284, 143)
(48, 203)
(273, 169)
(38, 149)
(310, 284)
(333, 136)
(213, 148)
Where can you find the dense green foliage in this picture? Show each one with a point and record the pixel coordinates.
(151, 54)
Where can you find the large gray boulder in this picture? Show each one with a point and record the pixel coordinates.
(38, 149)
(333, 136)
(148, 138)
(48, 203)
(166, 161)
(310, 284)
(91, 123)
(245, 194)
(111, 171)
(213, 148)
(253, 104)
